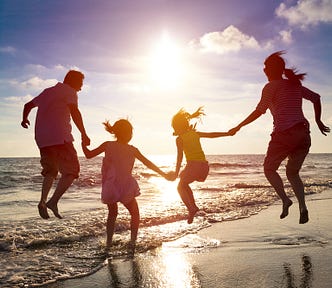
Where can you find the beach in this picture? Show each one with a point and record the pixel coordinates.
(259, 251)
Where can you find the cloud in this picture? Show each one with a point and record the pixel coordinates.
(37, 83)
(32, 84)
(286, 36)
(8, 50)
(18, 99)
(229, 40)
(306, 12)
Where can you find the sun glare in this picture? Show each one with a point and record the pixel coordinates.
(168, 189)
(166, 68)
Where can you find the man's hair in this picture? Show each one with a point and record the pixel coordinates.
(73, 77)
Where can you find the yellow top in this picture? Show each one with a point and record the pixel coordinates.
(192, 147)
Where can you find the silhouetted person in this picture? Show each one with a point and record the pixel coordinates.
(291, 136)
(118, 184)
(197, 168)
(57, 105)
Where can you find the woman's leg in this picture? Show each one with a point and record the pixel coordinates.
(276, 153)
(276, 182)
(112, 214)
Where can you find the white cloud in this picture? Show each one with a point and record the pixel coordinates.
(37, 83)
(8, 50)
(286, 36)
(229, 40)
(306, 12)
(32, 84)
(18, 99)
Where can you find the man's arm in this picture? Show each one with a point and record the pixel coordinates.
(26, 111)
(77, 118)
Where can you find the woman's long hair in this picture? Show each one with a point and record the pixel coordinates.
(276, 66)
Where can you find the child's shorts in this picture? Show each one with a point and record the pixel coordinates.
(195, 171)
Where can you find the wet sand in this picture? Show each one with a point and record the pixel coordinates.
(260, 251)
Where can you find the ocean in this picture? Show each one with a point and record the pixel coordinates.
(35, 251)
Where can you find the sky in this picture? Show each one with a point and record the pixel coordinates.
(144, 60)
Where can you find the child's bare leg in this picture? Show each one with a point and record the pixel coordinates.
(134, 223)
(188, 199)
(112, 214)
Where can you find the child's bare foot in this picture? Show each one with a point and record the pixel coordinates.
(191, 215)
(54, 209)
(285, 207)
(42, 209)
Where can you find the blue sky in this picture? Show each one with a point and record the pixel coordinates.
(144, 60)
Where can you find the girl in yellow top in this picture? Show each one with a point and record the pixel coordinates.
(197, 168)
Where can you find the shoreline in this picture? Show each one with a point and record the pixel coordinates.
(259, 251)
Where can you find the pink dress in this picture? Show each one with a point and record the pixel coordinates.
(118, 184)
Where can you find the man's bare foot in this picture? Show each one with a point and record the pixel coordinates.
(42, 209)
(54, 209)
(191, 215)
(285, 207)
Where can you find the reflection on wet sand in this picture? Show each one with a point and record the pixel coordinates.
(306, 275)
(166, 270)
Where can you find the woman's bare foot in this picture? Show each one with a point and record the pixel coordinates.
(304, 216)
(285, 207)
(54, 209)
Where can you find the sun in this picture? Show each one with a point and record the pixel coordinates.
(166, 67)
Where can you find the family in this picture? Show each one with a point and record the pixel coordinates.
(57, 105)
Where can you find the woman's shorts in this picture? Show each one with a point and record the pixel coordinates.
(293, 143)
(59, 158)
(195, 171)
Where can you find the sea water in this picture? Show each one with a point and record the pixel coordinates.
(35, 251)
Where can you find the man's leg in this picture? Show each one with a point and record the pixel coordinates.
(64, 183)
(47, 185)
(69, 169)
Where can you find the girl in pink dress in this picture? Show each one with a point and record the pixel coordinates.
(118, 184)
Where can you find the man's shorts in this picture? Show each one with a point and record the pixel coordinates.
(293, 143)
(59, 158)
(195, 171)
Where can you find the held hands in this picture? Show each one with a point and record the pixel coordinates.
(170, 176)
(85, 140)
(233, 131)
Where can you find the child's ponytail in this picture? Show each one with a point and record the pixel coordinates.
(108, 127)
(197, 114)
